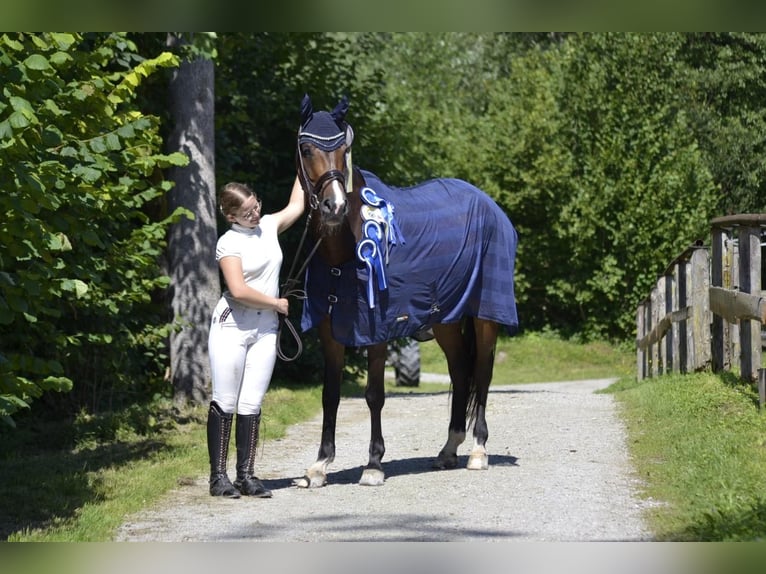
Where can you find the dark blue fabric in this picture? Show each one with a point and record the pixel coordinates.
(323, 131)
(457, 259)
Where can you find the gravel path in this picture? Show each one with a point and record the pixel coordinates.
(559, 471)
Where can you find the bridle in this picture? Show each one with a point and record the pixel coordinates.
(289, 288)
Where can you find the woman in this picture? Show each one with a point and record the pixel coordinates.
(243, 332)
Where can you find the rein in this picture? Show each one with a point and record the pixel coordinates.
(289, 289)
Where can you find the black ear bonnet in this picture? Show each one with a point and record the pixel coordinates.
(326, 130)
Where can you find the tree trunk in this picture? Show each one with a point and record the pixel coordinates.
(195, 284)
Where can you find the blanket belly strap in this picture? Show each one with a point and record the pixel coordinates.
(332, 298)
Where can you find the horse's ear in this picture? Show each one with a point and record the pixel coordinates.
(307, 110)
(339, 113)
(349, 136)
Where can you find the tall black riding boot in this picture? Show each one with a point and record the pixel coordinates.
(247, 441)
(218, 437)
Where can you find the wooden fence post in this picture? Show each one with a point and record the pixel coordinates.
(641, 370)
(720, 327)
(700, 309)
(662, 348)
(654, 355)
(675, 339)
(671, 358)
(750, 282)
(682, 271)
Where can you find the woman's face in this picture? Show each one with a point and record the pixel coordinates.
(249, 213)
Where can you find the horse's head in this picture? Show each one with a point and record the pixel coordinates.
(324, 161)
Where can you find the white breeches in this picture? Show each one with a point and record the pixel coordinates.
(243, 350)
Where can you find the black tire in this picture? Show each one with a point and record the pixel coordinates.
(405, 358)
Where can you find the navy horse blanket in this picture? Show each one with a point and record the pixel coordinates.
(454, 257)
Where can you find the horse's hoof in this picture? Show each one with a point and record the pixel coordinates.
(310, 482)
(372, 477)
(478, 461)
(444, 462)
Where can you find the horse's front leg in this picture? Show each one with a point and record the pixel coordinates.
(375, 395)
(334, 361)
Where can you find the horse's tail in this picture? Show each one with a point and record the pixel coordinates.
(469, 343)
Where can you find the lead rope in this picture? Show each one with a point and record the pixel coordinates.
(289, 289)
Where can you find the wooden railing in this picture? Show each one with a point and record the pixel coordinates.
(707, 309)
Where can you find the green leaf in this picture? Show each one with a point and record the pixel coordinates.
(18, 120)
(11, 43)
(20, 104)
(37, 62)
(178, 159)
(52, 106)
(59, 242)
(60, 58)
(88, 174)
(98, 145)
(56, 384)
(52, 136)
(113, 142)
(6, 132)
(79, 288)
(126, 131)
(63, 41)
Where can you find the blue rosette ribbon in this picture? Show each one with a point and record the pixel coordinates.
(379, 230)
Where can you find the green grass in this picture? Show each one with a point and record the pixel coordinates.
(698, 443)
(543, 357)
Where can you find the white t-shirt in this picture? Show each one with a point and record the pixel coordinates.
(259, 250)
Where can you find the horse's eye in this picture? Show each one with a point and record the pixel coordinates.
(306, 151)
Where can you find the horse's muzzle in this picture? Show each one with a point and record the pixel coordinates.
(333, 211)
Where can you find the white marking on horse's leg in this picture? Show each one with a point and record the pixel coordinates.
(372, 477)
(478, 459)
(448, 456)
(315, 477)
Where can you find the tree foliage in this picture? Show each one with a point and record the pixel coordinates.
(641, 191)
(79, 166)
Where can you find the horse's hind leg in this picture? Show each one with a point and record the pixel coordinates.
(486, 339)
(450, 339)
(373, 474)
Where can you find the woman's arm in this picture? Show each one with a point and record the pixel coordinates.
(235, 282)
(294, 208)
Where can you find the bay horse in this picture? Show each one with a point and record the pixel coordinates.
(436, 259)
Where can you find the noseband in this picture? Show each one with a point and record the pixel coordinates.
(326, 177)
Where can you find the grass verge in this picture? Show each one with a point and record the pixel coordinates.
(77, 482)
(698, 443)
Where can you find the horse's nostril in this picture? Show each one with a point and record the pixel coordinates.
(331, 207)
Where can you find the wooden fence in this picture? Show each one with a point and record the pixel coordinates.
(707, 309)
